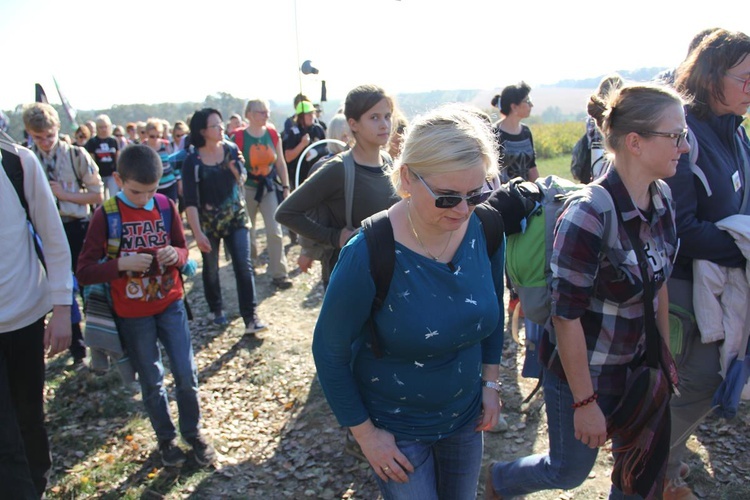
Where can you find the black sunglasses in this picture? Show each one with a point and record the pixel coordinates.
(452, 200)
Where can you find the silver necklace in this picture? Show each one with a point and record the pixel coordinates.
(419, 240)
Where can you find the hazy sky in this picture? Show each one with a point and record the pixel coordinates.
(168, 51)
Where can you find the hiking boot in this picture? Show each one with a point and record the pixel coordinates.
(255, 326)
(219, 319)
(677, 489)
(283, 283)
(204, 452)
(171, 454)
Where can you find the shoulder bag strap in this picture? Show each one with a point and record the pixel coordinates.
(349, 187)
(652, 332)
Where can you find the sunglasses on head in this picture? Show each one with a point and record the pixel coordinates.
(452, 200)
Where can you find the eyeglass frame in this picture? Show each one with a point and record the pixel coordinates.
(671, 135)
(745, 82)
(218, 125)
(471, 200)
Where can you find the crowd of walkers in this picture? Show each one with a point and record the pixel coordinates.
(409, 222)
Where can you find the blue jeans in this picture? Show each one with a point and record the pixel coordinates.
(238, 244)
(568, 462)
(444, 469)
(139, 337)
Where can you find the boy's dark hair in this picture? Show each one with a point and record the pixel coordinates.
(139, 163)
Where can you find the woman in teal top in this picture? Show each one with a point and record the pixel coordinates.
(418, 411)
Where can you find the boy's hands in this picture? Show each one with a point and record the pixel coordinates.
(138, 263)
(167, 256)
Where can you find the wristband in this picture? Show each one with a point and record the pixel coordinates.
(284, 187)
(492, 384)
(586, 401)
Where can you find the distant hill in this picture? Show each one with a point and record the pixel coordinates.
(638, 75)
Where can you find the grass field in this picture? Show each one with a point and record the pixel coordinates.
(559, 165)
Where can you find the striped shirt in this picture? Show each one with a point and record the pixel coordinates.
(603, 286)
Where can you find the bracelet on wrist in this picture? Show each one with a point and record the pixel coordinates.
(284, 187)
(492, 384)
(586, 401)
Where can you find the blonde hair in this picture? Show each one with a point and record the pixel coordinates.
(631, 108)
(40, 117)
(451, 138)
(338, 128)
(254, 104)
(155, 124)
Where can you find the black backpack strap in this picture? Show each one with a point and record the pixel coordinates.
(14, 171)
(382, 248)
(492, 225)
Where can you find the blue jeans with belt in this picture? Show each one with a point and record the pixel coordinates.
(141, 336)
(444, 469)
(568, 462)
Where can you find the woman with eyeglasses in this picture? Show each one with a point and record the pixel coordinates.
(418, 407)
(601, 321)
(213, 175)
(717, 75)
(168, 184)
(82, 136)
(260, 144)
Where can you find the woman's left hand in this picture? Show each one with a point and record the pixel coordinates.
(491, 407)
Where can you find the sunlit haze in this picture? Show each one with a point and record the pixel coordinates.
(105, 53)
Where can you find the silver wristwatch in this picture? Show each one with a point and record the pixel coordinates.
(491, 384)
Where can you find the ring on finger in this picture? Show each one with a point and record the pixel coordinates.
(386, 469)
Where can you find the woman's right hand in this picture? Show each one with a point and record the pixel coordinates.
(204, 244)
(590, 425)
(379, 447)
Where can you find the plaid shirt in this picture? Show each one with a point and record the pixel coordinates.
(603, 286)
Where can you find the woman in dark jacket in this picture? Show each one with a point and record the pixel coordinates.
(717, 75)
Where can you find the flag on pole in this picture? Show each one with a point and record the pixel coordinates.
(69, 110)
(40, 95)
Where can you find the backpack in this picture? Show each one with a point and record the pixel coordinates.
(238, 137)
(382, 248)
(528, 253)
(14, 170)
(114, 232)
(583, 165)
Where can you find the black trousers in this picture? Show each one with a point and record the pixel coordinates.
(76, 233)
(25, 459)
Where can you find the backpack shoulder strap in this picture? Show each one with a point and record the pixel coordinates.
(382, 248)
(492, 225)
(75, 154)
(165, 210)
(693, 160)
(274, 136)
(114, 227)
(14, 170)
(348, 187)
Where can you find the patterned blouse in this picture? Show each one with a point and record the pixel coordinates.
(437, 326)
